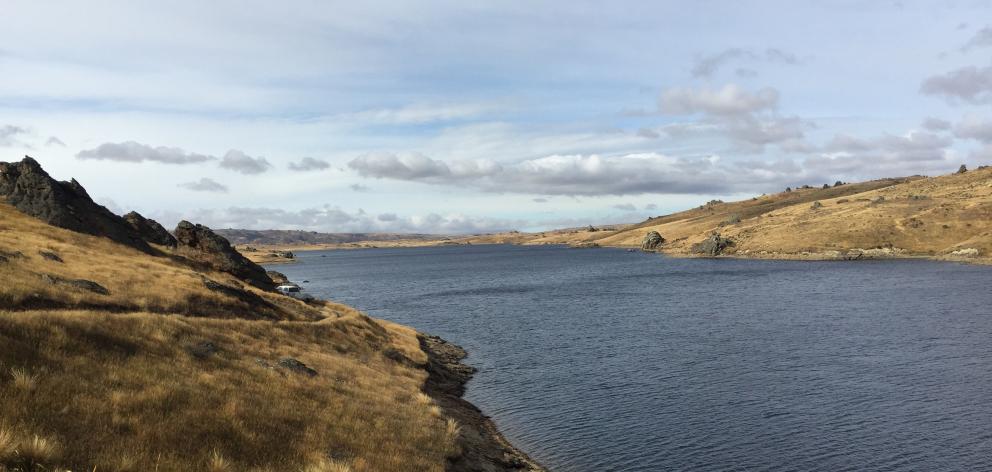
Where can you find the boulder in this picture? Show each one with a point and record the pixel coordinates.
(652, 240)
(149, 230)
(277, 277)
(51, 256)
(200, 243)
(816, 205)
(712, 246)
(81, 284)
(962, 169)
(31, 190)
(296, 366)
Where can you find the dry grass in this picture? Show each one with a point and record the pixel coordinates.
(917, 216)
(136, 281)
(122, 381)
(126, 389)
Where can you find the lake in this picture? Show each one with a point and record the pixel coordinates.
(606, 360)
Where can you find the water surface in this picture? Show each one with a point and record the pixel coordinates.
(602, 360)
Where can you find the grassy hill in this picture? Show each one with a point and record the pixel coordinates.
(148, 368)
(945, 217)
(116, 358)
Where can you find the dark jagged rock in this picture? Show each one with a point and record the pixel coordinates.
(201, 244)
(51, 256)
(31, 190)
(149, 230)
(962, 169)
(81, 284)
(296, 366)
(203, 350)
(652, 240)
(712, 246)
(277, 277)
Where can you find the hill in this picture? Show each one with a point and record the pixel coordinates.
(945, 217)
(132, 357)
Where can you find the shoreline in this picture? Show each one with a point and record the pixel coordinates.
(482, 447)
(853, 255)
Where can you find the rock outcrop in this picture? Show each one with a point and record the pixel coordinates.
(652, 240)
(712, 246)
(27, 187)
(149, 230)
(199, 243)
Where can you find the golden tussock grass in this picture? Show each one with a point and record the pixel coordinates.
(131, 381)
(920, 216)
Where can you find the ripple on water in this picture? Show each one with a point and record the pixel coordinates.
(601, 360)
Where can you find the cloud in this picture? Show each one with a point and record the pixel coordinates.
(204, 185)
(748, 119)
(53, 141)
(9, 135)
(755, 133)
(240, 162)
(973, 127)
(651, 206)
(130, 151)
(706, 66)
(575, 174)
(936, 124)
(648, 133)
(333, 219)
(969, 84)
(539, 200)
(417, 167)
(420, 113)
(888, 155)
(309, 164)
(730, 100)
(625, 207)
(981, 39)
(359, 188)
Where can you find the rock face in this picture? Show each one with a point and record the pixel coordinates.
(201, 244)
(149, 230)
(277, 277)
(31, 190)
(712, 246)
(652, 240)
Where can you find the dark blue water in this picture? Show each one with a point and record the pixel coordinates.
(600, 360)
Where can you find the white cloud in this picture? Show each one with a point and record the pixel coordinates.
(706, 66)
(9, 135)
(240, 162)
(54, 141)
(575, 174)
(968, 84)
(974, 127)
(130, 151)
(333, 219)
(204, 185)
(729, 100)
(415, 114)
(309, 164)
(981, 39)
(936, 124)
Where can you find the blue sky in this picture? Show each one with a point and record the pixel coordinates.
(454, 117)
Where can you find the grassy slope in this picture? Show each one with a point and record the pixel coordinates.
(921, 216)
(111, 382)
(929, 217)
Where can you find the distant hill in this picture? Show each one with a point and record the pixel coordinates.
(277, 237)
(944, 217)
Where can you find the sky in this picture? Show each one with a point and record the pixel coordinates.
(467, 117)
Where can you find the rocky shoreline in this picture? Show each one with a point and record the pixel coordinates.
(482, 447)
